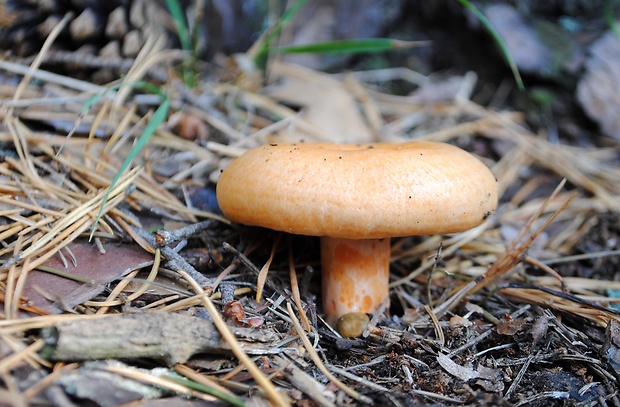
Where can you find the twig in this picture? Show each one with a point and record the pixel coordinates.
(319, 363)
(175, 261)
(167, 237)
(221, 326)
(520, 375)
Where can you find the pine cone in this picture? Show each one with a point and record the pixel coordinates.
(119, 28)
(115, 28)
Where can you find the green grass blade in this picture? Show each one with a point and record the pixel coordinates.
(181, 25)
(487, 24)
(204, 389)
(261, 56)
(96, 98)
(185, 38)
(610, 16)
(159, 116)
(349, 46)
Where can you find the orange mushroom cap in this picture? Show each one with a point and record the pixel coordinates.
(366, 191)
(356, 197)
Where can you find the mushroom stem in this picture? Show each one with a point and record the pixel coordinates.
(355, 274)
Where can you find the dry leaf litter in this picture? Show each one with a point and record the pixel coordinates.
(517, 311)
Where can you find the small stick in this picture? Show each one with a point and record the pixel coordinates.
(167, 237)
(319, 363)
(230, 339)
(170, 337)
(175, 261)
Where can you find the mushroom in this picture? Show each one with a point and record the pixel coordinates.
(355, 197)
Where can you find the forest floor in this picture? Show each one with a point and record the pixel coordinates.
(159, 303)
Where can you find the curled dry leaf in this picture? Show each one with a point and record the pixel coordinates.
(540, 328)
(234, 312)
(489, 379)
(509, 326)
(450, 366)
(458, 321)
